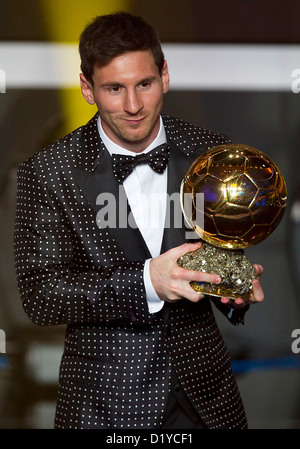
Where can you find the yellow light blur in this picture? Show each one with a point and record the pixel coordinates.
(64, 22)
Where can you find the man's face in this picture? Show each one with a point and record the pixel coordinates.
(129, 95)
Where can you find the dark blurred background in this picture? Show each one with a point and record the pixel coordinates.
(252, 102)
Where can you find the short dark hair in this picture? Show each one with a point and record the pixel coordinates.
(112, 35)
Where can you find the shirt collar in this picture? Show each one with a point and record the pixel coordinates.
(113, 148)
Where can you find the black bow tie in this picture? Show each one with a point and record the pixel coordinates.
(124, 165)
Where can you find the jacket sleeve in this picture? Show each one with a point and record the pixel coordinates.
(235, 316)
(53, 289)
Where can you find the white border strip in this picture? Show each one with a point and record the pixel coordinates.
(192, 66)
(233, 67)
(40, 65)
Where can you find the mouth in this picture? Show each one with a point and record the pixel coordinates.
(134, 121)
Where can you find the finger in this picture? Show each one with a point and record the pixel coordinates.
(257, 291)
(185, 290)
(193, 295)
(199, 276)
(237, 303)
(225, 300)
(259, 269)
(179, 251)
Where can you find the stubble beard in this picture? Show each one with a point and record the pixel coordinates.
(137, 139)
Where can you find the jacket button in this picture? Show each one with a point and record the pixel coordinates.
(177, 387)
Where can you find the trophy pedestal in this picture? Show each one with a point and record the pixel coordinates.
(234, 268)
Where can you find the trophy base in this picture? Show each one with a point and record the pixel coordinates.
(234, 268)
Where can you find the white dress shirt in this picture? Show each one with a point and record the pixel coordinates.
(146, 191)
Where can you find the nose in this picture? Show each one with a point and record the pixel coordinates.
(132, 102)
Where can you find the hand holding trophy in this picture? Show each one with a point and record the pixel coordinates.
(244, 199)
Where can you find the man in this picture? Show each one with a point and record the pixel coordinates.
(142, 348)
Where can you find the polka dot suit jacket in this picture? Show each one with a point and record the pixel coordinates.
(115, 369)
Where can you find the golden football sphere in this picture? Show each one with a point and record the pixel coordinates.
(244, 196)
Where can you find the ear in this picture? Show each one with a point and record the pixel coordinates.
(165, 77)
(87, 90)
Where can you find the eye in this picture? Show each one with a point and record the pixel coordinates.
(145, 85)
(114, 90)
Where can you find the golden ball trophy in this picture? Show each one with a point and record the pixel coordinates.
(244, 197)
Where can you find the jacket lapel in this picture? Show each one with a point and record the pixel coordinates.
(180, 161)
(99, 186)
(175, 230)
